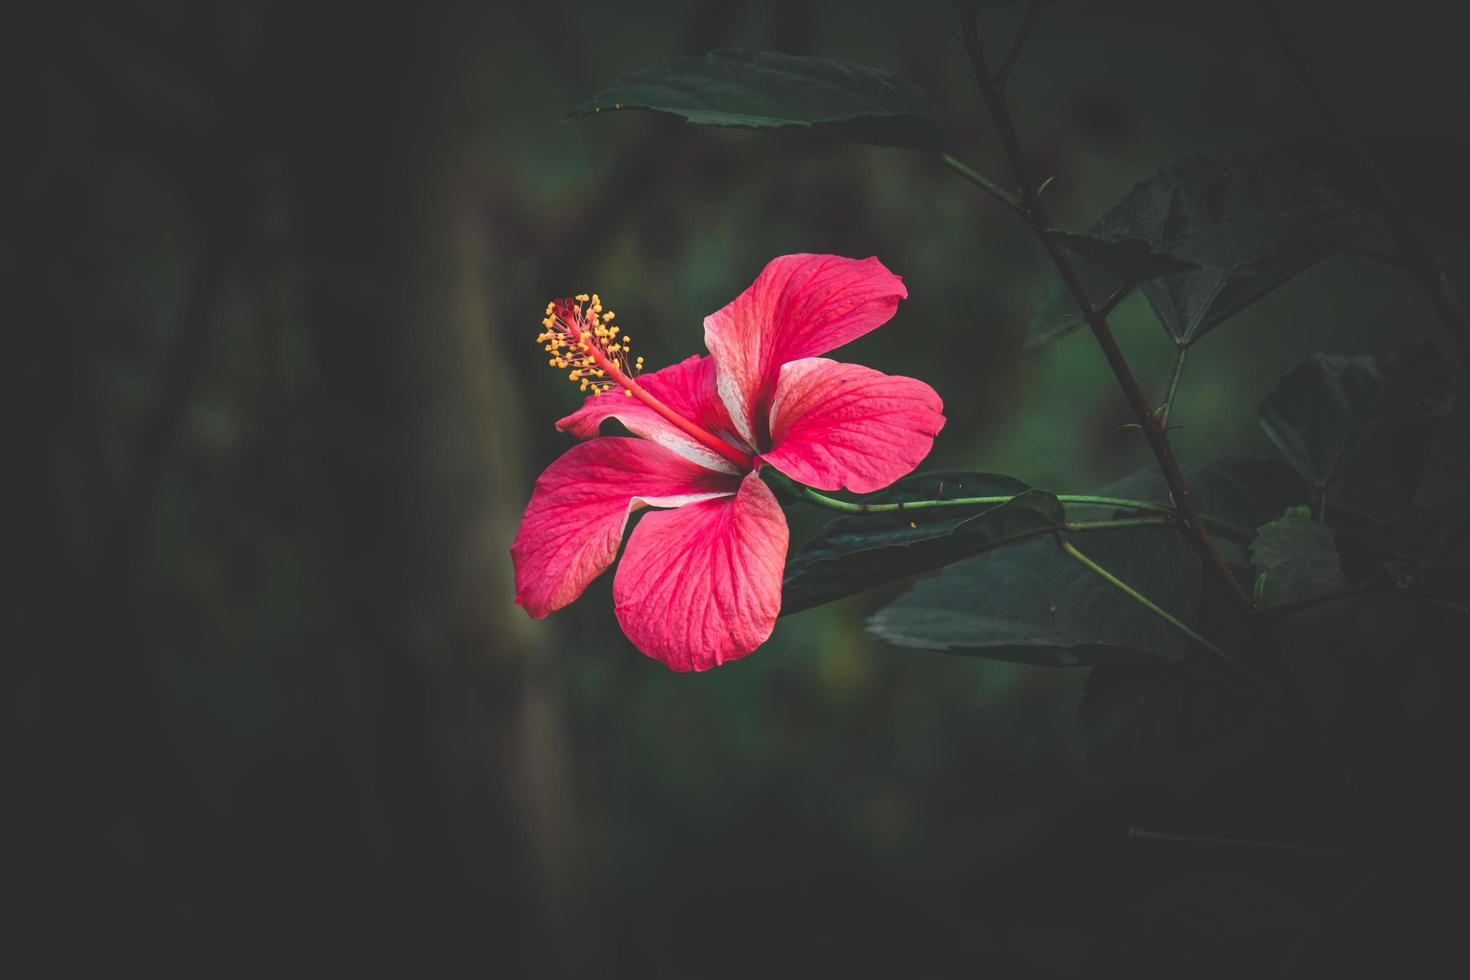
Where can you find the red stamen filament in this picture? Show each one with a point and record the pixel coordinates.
(598, 353)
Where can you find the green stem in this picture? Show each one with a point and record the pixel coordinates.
(1181, 352)
(1074, 499)
(984, 183)
(849, 507)
(1120, 523)
(1156, 609)
(1122, 503)
(1023, 34)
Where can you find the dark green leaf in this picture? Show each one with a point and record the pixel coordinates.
(765, 89)
(1363, 420)
(863, 551)
(1129, 259)
(1364, 560)
(1385, 475)
(1249, 221)
(1298, 557)
(1440, 534)
(1425, 170)
(1235, 495)
(1033, 604)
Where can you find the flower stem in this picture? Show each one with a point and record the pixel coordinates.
(1023, 34)
(850, 507)
(984, 183)
(1035, 216)
(1070, 551)
(811, 496)
(1121, 503)
(1123, 522)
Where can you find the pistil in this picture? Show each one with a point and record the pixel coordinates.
(579, 335)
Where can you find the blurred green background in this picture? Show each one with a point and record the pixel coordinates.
(280, 268)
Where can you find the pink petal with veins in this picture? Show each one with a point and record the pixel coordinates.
(570, 531)
(701, 585)
(837, 425)
(799, 306)
(688, 388)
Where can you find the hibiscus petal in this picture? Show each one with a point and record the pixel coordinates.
(799, 306)
(570, 531)
(837, 425)
(688, 388)
(702, 585)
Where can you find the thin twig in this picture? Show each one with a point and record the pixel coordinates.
(1023, 34)
(1071, 552)
(1036, 217)
(1413, 251)
(1137, 834)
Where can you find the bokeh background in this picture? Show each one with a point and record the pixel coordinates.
(278, 407)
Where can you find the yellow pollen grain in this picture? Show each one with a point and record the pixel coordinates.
(577, 334)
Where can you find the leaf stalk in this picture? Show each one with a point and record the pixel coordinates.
(984, 183)
(1071, 552)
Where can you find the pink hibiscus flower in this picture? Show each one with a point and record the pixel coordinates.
(700, 579)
